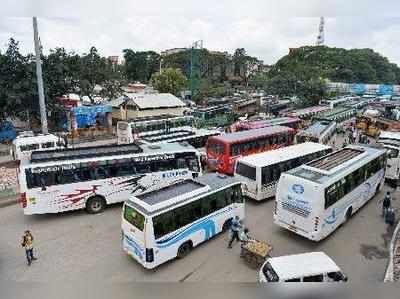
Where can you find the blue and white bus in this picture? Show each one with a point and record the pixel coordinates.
(313, 200)
(161, 225)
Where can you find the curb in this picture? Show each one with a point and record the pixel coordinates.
(8, 202)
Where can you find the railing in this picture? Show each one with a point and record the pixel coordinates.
(393, 268)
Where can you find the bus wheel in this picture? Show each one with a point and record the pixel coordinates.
(184, 249)
(348, 214)
(95, 205)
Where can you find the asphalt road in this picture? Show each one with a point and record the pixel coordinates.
(76, 245)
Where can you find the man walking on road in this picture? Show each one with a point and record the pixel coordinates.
(386, 204)
(27, 243)
(235, 228)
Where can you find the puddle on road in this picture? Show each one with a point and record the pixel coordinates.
(371, 251)
(378, 252)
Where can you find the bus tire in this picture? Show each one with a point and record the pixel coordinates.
(348, 214)
(95, 205)
(184, 249)
(227, 225)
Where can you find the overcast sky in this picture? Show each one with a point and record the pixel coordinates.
(265, 28)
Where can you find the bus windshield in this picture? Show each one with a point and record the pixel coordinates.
(134, 217)
(216, 147)
(270, 273)
(246, 171)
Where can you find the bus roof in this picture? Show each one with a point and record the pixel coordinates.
(251, 134)
(389, 135)
(159, 200)
(166, 137)
(282, 154)
(157, 117)
(333, 165)
(23, 140)
(104, 151)
(317, 128)
(300, 265)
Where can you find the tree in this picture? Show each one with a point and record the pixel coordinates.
(18, 89)
(169, 81)
(140, 66)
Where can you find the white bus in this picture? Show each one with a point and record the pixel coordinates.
(391, 141)
(323, 132)
(315, 199)
(23, 146)
(91, 178)
(260, 173)
(161, 225)
(136, 128)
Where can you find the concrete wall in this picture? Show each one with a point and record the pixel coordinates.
(119, 113)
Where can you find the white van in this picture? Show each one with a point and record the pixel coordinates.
(306, 267)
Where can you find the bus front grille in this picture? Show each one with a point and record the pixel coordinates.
(296, 210)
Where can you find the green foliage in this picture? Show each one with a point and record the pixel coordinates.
(140, 66)
(169, 81)
(338, 65)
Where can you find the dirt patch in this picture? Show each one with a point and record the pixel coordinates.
(371, 251)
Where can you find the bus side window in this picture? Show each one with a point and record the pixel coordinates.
(229, 196)
(237, 194)
(181, 163)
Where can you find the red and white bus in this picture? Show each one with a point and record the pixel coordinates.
(224, 150)
(291, 122)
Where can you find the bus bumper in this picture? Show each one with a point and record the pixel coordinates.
(313, 236)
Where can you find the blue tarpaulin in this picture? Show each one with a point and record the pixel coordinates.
(86, 116)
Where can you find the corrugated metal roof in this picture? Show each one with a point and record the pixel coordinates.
(148, 101)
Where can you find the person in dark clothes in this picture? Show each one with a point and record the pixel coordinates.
(235, 228)
(390, 217)
(386, 204)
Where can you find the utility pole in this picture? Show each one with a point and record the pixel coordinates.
(42, 104)
(321, 32)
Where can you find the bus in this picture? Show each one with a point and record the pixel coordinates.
(224, 150)
(382, 124)
(391, 141)
(338, 114)
(323, 132)
(313, 200)
(291, 122)
(307, 113)
(213, 116)
(260, 173)
(24, 145)
(168, 223)
(93, 177)
(245, 107)
(130, 131)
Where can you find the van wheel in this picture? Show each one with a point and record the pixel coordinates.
(226, 225)
(348, 214)
(184, 249)
(95, 205)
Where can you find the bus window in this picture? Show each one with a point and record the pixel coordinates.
(193, 165)
(68, 176)
(266, 175)
(29, 147)
(47, 145)
(314, 278)
(134, 218)
(237, 194)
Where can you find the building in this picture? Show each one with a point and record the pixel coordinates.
(133, 105)
(113, 59)
(173, 51)
(136, 87)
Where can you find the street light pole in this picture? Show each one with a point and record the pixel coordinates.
(42, 104)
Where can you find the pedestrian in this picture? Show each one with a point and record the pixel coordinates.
(390, 217)
(27, 243)
(386, 204)
(245, 237)
(355, 136)
(235, 228)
